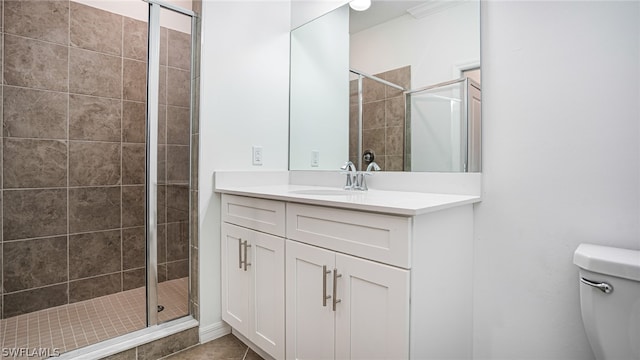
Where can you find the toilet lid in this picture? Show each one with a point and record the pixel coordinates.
(607, 260)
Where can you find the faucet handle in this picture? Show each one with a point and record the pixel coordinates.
(350, 169)
(361, 180)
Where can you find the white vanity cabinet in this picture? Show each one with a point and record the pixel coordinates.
(340, 305)
(253, 270)
(359, 281)
(344, 307)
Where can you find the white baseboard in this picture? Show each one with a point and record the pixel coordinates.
(214, 331)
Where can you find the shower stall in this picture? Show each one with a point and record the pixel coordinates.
(434, 128)
(97, 171)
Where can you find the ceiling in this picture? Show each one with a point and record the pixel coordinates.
(379, 12)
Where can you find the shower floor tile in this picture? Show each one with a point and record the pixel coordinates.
(72, 326)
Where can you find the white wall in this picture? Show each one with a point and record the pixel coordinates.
(431, 45)
(319, 98)
(244, 102)
(560, 166)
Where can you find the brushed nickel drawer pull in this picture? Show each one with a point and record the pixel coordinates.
(335, 288)
(325, 297)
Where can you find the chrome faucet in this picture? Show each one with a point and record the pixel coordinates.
(350, 169)
(361, 180)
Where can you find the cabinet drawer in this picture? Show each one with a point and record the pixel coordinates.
(383, 238)
(258, 214)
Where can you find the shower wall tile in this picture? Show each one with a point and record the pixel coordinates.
(92, 73)
(372, 90)
(94, 163)
(133, 163)
(162, 87)
(34, 263)
(133, 241)
(375, 140)
(177, 269)
(94, 208)
(132, 279)
(75, 136)
(394, 163)
(162, 204)
(34, 213)
(162, 124)
(177, 203)
(395, 140)
(95, 29)
(162, 243)
(135, 39)
(178, 87)
(133, 204)
(177, 241)
(177, 163)
(34, 163)
(163, 45)
(93, 254)
(135, 80)
(35, 64)
(94, 118)
(178, 125)
(133, 122)
(33, 300)
(162, 273)
(90, 288)
(162, 164)
(400, 76)
(179, 54)
(44, 20)
(395, 110)
(373, 115)
(34, 113)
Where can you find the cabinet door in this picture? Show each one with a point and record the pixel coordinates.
(372, 317)
(267, 293)
(310, 322)
(235, 279)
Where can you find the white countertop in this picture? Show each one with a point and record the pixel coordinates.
(390, 202)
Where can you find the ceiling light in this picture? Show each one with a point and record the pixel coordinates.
(360, 5)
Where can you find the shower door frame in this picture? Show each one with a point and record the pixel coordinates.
(151, 196)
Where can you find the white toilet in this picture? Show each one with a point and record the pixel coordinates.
(610, 300)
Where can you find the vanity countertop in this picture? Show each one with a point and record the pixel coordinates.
(383, 201)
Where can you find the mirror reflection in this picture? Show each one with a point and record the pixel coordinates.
(397, 84)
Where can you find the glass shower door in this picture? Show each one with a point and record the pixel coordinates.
(171, 41)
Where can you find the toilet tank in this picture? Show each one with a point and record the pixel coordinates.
(610, 300)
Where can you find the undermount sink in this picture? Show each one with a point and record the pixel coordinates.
(324, 192)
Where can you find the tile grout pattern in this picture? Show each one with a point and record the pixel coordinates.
(383, 119)
(72, 159)
(72, 326)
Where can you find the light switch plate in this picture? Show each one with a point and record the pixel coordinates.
(315, 158)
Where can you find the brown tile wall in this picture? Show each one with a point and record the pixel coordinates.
(72, 160)
(383, 119)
